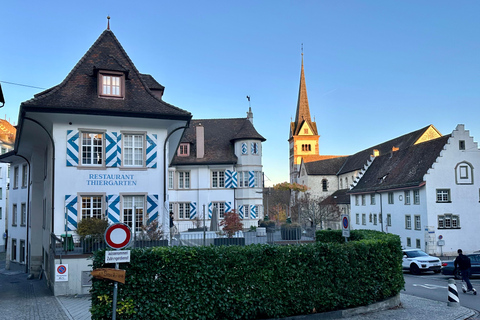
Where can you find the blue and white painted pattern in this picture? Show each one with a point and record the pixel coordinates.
(193, 210)
(71, 212)
(254, 147)
(210, 210)
(72, 148)
(241, 212)
(113, 149)
(251, 179)
(113, 211)
(152, 207)
(151, 150)
(231, 180)
(253, 212)
(244, 148)
(228, 206)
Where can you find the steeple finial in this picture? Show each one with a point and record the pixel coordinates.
(302, 50)
(108, 23)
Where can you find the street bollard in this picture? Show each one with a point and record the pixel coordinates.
(453, 300)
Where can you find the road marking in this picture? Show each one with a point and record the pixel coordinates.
(429, 286)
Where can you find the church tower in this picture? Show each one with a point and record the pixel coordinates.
(303, 139)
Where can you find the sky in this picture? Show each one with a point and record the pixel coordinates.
(374, 70)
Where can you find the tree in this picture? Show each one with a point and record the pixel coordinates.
(318, 211)
(292, 191)
(231, 223)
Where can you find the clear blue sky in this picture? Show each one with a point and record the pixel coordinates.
(374, 69)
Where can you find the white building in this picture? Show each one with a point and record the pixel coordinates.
(427, 193)
(217, 166)
(7, 138)
(96, 145)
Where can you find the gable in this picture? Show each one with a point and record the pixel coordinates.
(305, 130)
(429, 134)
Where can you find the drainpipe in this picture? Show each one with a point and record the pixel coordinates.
(381, 211)
(27, 260)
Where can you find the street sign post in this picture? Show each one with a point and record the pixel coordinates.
(109, 273)
(345, 227)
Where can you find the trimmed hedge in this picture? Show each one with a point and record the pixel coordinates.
(251, 282)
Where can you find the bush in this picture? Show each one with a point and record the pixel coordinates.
(268, 224)
(251, 282)
(291, 231)
(93, 227)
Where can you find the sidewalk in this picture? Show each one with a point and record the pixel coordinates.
(31, 299)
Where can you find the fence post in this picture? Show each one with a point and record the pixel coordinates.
(453, 300)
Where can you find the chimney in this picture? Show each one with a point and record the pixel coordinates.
(200, 133)
(250, 114)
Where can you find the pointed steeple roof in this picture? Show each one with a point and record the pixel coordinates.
(78, 92)
(303, 110)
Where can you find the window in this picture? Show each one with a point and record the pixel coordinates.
(416, 197)
(389, 220)
(464, 173)
(170, 179)
(242, 177)
(356, 200)
(4, 150)
(133, 212)
(14, 215)
(23, 214)
(1, 213)
(370, 218)
(133, 150)
(417, 241)
(409, 242)
(390, 198)
(357, 218)
(184, 210)
(111, 84)
(364, 219)
(183, 179)
(24, 176)
(92, 207)
(246, 212)
(218, 179)
(22, 251)
(220, 207)
(184, 150)
(461, 145)
(407, 197)
(443, 195)
(15, 177)
(408, 222)
(341, 184)
(305, 131)
(418, 224)
(375, 219)
(324, 185)
(92, 148)
(363, 199)
(372, 199)
(14, 249)
(448, 221)
(258, 179)
(255, 148)
(1, 193)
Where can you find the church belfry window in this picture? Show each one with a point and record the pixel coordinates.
(324, 185)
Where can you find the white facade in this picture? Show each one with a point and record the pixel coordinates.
(440, 216)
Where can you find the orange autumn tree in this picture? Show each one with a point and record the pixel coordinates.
(293, 190)
(231, 223)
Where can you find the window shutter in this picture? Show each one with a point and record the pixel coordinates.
(228, 206)
(210, 210)
(251, 179)
(152, 207)
(151, 161)
(113, 209)
(193, 210)
(72, 213)
(244, 148)
(240, 212)
(253, 211)
(72, 148)
(113, 149)
(231, 180)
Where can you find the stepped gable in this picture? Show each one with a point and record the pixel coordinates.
(78, 93)
(219, 135)
(327, 166)
(358, 160)
(400, 169)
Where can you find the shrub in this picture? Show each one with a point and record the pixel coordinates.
(93, 227)
(231, 223)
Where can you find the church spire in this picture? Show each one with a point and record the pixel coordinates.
(303, 110)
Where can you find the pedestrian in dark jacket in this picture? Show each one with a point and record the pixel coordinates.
(464, 265)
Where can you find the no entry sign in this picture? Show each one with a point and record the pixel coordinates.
(118, 236)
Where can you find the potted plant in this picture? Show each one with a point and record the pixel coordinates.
(291, 231)
(269, 225)
(231, 224)
(151, 236)
(91, 232)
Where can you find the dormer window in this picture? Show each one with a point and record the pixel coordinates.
(111, 84)
(184, 150)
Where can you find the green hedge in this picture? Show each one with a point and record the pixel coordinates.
(251, 282)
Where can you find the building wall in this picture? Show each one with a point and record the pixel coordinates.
(3, 204)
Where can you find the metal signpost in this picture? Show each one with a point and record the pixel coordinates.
(117, 237)
(345, 227)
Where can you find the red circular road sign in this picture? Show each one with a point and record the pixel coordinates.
(118, 236)
(345, 223)
(61, 269)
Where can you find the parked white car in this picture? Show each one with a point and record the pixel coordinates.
(418, 261)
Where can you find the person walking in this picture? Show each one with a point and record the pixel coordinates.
(464, 265)
(172, 225)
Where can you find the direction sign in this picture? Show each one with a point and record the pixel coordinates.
(118, 236)
(109, 273)
(345, 226)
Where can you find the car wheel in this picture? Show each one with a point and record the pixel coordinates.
(457, 274)
(414, 269)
